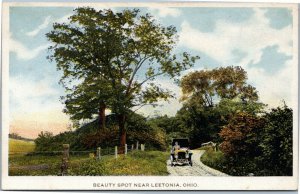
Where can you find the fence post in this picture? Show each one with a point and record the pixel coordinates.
(116, 152)
(99, 153)
(65, 159)
(137, 145)
(143, 147)
(132, 146)
(125, 149)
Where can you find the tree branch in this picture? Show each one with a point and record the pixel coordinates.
(142, 105)
(138, 66)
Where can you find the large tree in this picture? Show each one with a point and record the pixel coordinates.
(110, 59)
(206, 87)
(211, 98)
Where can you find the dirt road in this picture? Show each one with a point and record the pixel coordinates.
(198, 168)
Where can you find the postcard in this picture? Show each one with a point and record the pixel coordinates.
(149, 96)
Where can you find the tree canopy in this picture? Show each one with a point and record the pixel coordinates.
(207, 86)
(110, 59)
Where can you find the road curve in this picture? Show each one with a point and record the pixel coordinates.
(198, 168)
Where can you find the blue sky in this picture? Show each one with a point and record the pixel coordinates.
(258, 39)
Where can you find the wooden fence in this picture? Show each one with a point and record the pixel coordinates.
(97, 153)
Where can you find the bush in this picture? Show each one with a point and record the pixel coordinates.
(90, 167)
(276, 143)
(214, 159)
(259, 145)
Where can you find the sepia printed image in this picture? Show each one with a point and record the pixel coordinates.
(150, 90)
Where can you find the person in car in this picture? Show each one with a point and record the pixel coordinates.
(176, 147)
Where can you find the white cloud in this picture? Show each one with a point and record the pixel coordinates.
(29, 96)
(273, 88)
(166, 11)
(44, 25)
(47, 21)
(23, 52)
(250, 37)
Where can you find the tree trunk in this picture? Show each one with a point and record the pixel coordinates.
(102, 108)
(122, 130)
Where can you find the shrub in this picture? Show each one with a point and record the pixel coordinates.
(276, 143)
(214, 159)
(259, 145)
(90, 167)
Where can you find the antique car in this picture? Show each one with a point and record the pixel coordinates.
(180, 152)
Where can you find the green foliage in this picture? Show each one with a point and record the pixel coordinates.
(229, 108)
(259, 145)
(211, 98)
(203, 124)
(214, 159)
(44, 141)
(105, 51)
(89, 167)
(169, 124)
(87, 137)
(205, 86)
(149, 163)
(22, 165)
(276, 143)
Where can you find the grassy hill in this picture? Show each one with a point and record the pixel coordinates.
(18, 146)
(88, 137)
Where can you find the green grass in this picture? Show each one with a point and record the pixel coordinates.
(138, 163)
(20, 146)
(214, 159)
(135, 163)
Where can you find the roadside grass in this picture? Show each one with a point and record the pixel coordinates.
(213, 159)
(135, 163)
(139, 163)
(19, 146)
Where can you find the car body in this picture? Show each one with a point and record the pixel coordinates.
(181, 154)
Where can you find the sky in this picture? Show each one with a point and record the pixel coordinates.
(257, 39)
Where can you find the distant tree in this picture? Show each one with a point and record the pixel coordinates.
(206, 87)
(44, 141)
(14, 136)
(229, 107)
(200, 124)
(116, 56)
(211, 98)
